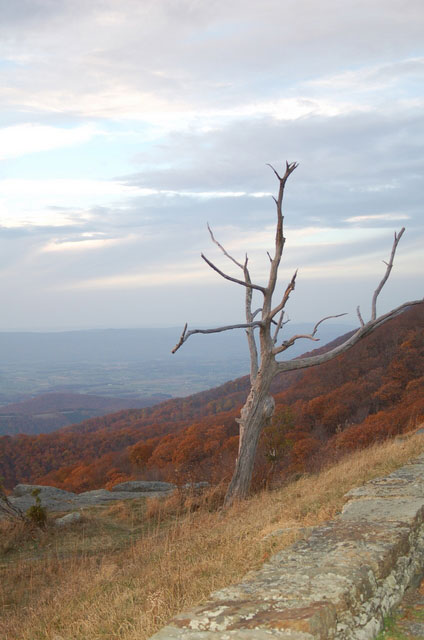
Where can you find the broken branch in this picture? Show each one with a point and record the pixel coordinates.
(389, 266)
(186, 334)
(227, 277)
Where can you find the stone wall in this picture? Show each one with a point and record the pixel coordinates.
(338, 583)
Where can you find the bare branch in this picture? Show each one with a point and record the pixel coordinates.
(276, 173)
(308, 336)
(251, 340)
(278, 327)
(389, 266)
(224, 251)
(289, 343)
(290, 287)
(358, 312)
(186, 334)
(279, 237)
(269, 256)
(338, 315)
(312, 361)
(181, 340)
(255, 313)
(253, 351)
(227, 277)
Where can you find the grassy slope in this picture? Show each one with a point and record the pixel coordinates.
(127, 569)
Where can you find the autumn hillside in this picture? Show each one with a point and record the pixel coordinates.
(367, 394)
(50, 411)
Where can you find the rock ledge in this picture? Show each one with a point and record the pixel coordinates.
(338, 583)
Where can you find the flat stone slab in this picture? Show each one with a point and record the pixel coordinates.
(388, 510)
(59, 500)
(338, 582)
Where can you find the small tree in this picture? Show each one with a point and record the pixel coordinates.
(264, 366)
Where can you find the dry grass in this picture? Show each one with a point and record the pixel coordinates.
(121, 575)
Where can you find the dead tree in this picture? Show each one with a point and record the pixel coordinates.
(268, 321)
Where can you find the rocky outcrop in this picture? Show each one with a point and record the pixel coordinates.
(27, 489)
(337, 583)
(59, 500)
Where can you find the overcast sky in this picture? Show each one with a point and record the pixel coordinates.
(127, 125)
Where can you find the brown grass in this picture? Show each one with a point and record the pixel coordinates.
(122, 575)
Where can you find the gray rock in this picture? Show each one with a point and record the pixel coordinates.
(144, 486)
(70, 518)
(27, 489)
(59, 500)
(52, 498)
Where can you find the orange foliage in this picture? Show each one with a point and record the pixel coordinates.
(374, 391)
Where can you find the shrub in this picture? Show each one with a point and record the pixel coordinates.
(37, 514)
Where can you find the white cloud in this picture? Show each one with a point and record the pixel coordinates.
(11, 218)
(378, 216)
(21, 139)
(65, 188)
(371, 78)
(85, 244)
(308, 236)
(55, 202)
(166, 275)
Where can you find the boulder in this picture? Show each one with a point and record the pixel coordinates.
(143, 486)
(70, 518)
(52, 499)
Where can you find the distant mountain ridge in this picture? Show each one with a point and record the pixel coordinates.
(129, 345)
(51, 411)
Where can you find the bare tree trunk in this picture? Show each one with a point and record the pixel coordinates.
(254, 416)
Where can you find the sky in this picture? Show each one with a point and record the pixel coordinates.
(125, 127)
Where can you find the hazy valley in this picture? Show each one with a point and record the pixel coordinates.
(127, 368)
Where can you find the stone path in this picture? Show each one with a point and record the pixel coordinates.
(407, 622)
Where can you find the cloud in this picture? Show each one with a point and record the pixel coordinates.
(128, 126)
(22, 139)
(379, 216)
(30, 202)
(168, 274)
(138, 58)
(372, 78)
(85, 243)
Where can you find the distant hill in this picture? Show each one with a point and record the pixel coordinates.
(374, 390)
(134, 345)
(50, 411)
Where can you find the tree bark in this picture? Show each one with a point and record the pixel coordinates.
(254, 416)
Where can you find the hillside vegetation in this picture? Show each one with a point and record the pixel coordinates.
(373, 391)
(50, 411)
(126, 569)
